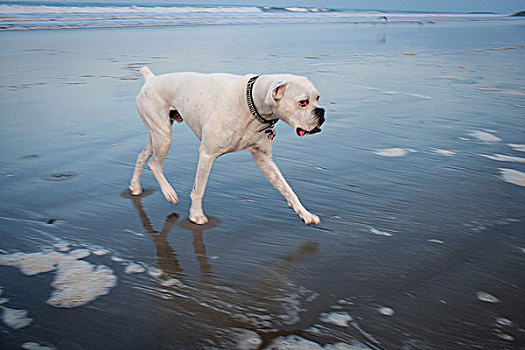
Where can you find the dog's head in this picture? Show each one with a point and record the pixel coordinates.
(295, 100)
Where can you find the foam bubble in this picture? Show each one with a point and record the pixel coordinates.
(514, 93)
(292, 306)
(134, 268)
(453, 78)
(486, 297)
(172, 282)
(313, 330)
(133, 232)
(62, 246)
(504, 158)
(443, 152)
(517, 147)
(513, 176)
(504, 322)
(485, 136)
(35, 346)
(394, 152)
(154, 272)
(246, 339)
(14, 318)
(420, 96)
(117, 259)
(378, 232)
(506, 337)
(80, 253)
(338, 318)
(100, 252)
(294, 342)
(386, 311)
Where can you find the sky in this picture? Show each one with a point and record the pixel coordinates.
(500, 6)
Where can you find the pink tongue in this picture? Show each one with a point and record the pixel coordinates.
(302, 132)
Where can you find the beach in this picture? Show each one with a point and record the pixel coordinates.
(418, 177)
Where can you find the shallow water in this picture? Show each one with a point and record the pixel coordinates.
(421, 250)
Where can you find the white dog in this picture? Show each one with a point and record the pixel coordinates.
(228, 113)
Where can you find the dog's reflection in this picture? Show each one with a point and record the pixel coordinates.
(168, 261)
(267, 294)
(167, 257)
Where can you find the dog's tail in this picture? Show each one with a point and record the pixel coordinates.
(146, 73)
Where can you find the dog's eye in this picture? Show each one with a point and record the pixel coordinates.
(303, 103)
(318, 97)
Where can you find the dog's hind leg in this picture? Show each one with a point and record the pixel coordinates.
(142, 158)
(161, 142)
(155, 114)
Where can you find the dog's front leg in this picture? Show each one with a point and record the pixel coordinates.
(201, 178)
(273, 174)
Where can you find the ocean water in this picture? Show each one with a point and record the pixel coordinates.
(418, 178)
(49, 15)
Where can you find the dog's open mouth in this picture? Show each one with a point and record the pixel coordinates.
(302, 132)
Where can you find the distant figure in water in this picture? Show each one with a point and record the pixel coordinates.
(384, 17)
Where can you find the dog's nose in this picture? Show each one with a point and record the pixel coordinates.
(319, 114)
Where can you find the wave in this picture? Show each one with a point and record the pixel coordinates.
(24, 17)
(45, 9)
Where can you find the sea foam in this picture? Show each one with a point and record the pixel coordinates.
(76, 282)
(485, 136)
(340, 319)
(35, 346)
(504, 158)
(487, 298)
(513, 176)
(517, 147)
(294, 342)
(443, 152)
(394, 152)
(379, 232)
(14, 318)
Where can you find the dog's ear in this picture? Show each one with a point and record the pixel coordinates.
(277, 89)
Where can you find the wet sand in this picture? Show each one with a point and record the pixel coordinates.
(418, 178)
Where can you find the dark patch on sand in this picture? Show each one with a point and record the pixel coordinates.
(135, 66)
(128, 78)
(59, 176)
(186, 224)
(31, 156)
(145, 192)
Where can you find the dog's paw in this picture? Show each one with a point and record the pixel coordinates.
(135, 190)
(170, 195)
(310, 219)
(199, 219)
